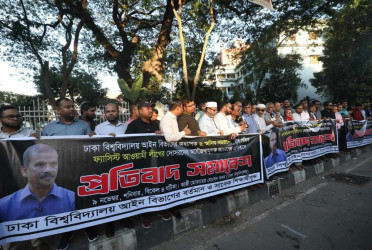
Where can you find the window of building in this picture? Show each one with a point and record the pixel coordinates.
(231, 76)
(313, 35)
(221, 76)
(314, 59)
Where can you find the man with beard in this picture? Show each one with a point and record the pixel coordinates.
(328, 113)
(223, 121)
(112, 126)
(186, 119)
(286, 105)
(66, 124)
(276, 155)
(260, 120)
(206, 122)
(88, 113)
(11, 122)
(143, 124)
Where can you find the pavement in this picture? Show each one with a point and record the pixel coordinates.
(319, 213)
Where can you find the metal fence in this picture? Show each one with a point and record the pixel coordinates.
(40, 114)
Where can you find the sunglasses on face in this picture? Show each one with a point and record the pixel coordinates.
(261, 110)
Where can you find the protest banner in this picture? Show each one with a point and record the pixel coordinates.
(358, 133)
(298, 141)
(51, 186)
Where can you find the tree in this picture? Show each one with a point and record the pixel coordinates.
(347, 60)
(81, 87)
(31, 31)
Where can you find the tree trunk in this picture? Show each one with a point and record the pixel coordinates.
(155, 65)
(48, 90)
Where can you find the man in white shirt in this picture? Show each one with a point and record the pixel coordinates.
(260, 120)
(297, 114)
(305, 116)
(206, 122)
(272, 117)
(224, 123)
(169, 125)
(112, 126)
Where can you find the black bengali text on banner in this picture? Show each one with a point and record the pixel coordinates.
(98, 180)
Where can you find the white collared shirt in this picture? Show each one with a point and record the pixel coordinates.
(106, 128)
(169, 128)
(262, 124)
(224, 123)
(207, 125)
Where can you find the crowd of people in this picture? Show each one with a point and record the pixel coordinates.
(223, 119)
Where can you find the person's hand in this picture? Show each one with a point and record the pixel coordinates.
(92, 133)
(112, 134)
(220, 132)
(203, 134)
(277, 116)
(158, 132)
(36, 135)
(187, 131)
(233, 136)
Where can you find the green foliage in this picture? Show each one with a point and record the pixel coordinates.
(157, 93)
(347, 60)
(204, 92)
(17, 99)
(82, 86)
(135, 93)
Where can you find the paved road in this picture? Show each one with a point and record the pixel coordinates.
(317, 214)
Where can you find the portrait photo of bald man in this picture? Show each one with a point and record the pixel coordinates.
(41, 196)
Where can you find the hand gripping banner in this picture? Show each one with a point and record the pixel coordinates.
(51, 186)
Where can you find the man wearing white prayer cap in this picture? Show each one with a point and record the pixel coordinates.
(260, 120)
(206, 122)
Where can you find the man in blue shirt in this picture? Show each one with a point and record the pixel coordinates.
(41, 196)
(249, 118)
(276, 155)
(66, 124)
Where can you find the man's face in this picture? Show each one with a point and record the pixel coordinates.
(339, 108)
(344, 105)
(66, 109)
(11, 118)
(270, 108)
(146, 113)
(334, 109)
(154, 116)
(91, 113)
(254, 111)
(299, 109)
(247, 109)
(317, 105)
(42, 169)
(260, 111)
(211, 112)
(273, 142)
(111, 113)
(304, 104)
(286, 104)
(312, 109)
(228, 109)
(189, 108)
(239, 106)
(236, 110)
(277, 107)
(330, 106)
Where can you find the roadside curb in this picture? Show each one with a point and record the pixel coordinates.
(221, 206)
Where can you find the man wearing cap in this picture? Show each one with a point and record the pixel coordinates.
(112, 126)
(169, 125)
(144, 123)
(223, 121)
(186, 119)
(260, 120)
(206, 122)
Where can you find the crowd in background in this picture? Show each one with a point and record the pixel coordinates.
(212, 119)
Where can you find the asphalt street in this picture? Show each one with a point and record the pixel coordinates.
(320, 213)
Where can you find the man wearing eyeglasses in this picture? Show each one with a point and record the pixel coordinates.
(11, 124)
(206, 122)
(260, 120)
(186, 119)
